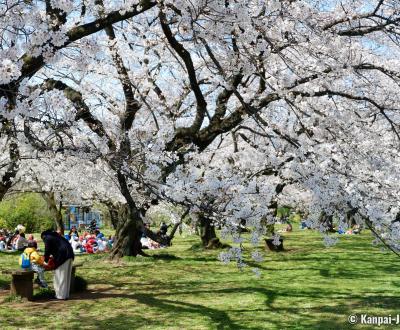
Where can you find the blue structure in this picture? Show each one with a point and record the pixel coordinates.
(80, 216)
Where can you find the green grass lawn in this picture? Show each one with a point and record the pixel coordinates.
(307, 287)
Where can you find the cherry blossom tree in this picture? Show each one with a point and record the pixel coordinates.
(223, 107)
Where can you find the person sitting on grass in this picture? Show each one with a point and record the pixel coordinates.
(356, 229)
(12, 240)
(73, 231)
(110, 242)
(31, 238)
(75, 244)
(101, 244)
(98, 234)
(91, 245)
(36, 263)
(21, 242)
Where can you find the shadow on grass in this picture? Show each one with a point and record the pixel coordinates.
(201, 259)
(172, 309)
(345, 305)
(165, 256)
(219, 319)
(396, 283)
(199, 247)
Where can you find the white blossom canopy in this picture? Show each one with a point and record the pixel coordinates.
(225, 107)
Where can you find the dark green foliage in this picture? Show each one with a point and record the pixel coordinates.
(28, 209)
(44, 293)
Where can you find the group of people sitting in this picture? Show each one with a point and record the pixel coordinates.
(84, 242)
(87, 242)
(148, 243)
(353, 230)
(15, 240)
(91, 240)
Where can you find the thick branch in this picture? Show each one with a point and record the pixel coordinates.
(83, 111)
(12, 169)
(33, 64)
(185, 55)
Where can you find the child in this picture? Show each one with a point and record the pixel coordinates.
(75, 243)
(36, 263)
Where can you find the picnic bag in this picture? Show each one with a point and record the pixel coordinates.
(25, 260)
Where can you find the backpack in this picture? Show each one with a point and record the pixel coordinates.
(25, 260)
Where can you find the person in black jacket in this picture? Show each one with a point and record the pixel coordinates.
(63, 256)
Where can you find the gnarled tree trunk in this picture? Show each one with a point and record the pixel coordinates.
(129, 229)
(327, 221)
(127, 237)
(117, 212)
(208, 236)
(50, 199)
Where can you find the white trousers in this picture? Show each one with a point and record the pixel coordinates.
(62, 279)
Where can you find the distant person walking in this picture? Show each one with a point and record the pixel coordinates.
(63, 255)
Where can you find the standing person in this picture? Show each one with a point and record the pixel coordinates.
(63, 256)
(92, 226)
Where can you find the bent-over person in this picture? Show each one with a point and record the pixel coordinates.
(63, 255)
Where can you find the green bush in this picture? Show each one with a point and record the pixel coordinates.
(44, 293)
(27, 209)
(3, 223)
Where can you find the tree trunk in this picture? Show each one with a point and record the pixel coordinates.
(208, 236)
(6, 181)
(327, 221)
(351, 221)
(114, 216)
(117, 213)
(127, 237)
(50, 199)
(178, 225)
(129, 229)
